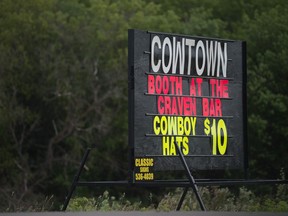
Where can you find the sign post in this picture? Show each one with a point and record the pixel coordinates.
(192, 182)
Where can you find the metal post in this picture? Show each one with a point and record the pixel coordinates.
(191, 179)
(182, 198)
(76, 178)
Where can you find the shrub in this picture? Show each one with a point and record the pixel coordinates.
(214, 198)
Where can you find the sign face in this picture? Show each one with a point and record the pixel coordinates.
(187, 91)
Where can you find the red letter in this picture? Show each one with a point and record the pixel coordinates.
(174, 106)
(160, 105)
(151, 88)
(165, 85)
(172, 81)
(199, 84)
(186, 110)
(158, 84)
(218, 107)
(167, 105)
(178, 85)
(219, 90)
(212, 83)
(212, 109)
(224, 84)
(180, 105)
(205, 107)
(192, 87)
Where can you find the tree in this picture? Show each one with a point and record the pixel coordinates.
(267, 37)
(63, 88)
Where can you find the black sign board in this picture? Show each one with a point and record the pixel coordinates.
(187, 91)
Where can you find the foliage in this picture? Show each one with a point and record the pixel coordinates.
(63, 88)
(267, 94)
(105, 202)
(214, 198)
(34, 203)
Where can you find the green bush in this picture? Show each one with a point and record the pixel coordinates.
(105, 202)
(32, 203)
(214, 198)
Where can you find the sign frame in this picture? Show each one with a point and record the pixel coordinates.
(139, 59)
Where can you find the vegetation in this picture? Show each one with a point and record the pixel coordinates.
(215, 199)
(63, 88)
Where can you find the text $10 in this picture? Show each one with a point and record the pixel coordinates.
(218, 131)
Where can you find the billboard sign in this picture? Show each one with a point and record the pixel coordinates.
(186, 91)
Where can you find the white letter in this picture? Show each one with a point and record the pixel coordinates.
(189, 43)
(177, 52)
(199, 71)
(211, 57)
(223, 59)
(168, 43)
(155, 40)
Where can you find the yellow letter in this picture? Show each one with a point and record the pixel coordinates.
(187, 126)
(172, 146)
(165, 145)
(222, 146)
(164, 125)
(185, 148)
(193, 123)
(180, 126)
(156, 123)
